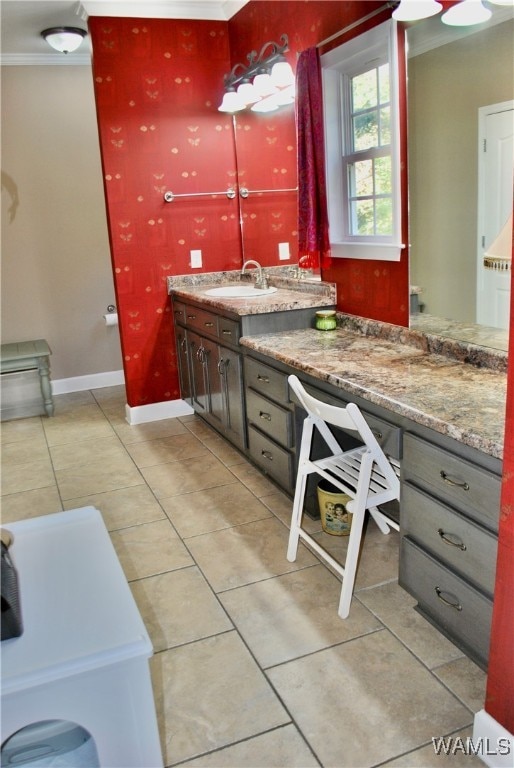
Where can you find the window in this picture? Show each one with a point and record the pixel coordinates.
(360, 94)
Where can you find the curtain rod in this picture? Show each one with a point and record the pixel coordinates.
(354, 24)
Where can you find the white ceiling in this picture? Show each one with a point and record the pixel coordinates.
(24, 20)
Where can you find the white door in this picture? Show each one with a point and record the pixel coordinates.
(495, 199)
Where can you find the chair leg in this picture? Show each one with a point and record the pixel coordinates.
(296, 517)
(379, 519)
(350, 566)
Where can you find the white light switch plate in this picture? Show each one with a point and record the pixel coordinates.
(283, 251)
(196, 259)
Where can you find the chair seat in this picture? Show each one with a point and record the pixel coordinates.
(364, 473)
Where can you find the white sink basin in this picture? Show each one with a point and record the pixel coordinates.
(239, 292)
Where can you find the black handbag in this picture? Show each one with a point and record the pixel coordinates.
(11, 625)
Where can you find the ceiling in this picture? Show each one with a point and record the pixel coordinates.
(23, 21)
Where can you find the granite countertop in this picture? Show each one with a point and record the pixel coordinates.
(291, 293)
(464, 401)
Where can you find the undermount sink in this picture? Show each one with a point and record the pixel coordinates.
(239, 292)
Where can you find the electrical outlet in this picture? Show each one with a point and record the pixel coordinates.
(196, 259)
(283, 251)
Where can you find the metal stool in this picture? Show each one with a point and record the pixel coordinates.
(363, 473)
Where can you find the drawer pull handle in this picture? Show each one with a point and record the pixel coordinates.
(265, 379)
(183, 345)
(267, 455)
(453, 542)
(191, 317)
(452, 604)
(457, 483)
(226, 333)
(377, 434)
(265, 416)
(209, 324)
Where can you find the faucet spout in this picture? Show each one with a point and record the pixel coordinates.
(262, 280)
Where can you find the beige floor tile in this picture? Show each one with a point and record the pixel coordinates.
(96, 477)
(115, 393)
(21, 429)
(106, 449)
(395, 608)
(23, 451)
(198, 427)
(71, 400)
(201, 709)
(179, 477)
(179, 607)
(166, 449)
(151, 548)
(122, 508)
(28, 504)
(138, 433)
(366, 701)
(86, 422)
(224, 451)
(283, 747)
(293, 615)
(282, 506)
(28, 476)
(466, 680)
(433, 755)
(213, 509)
(253, 479)
(245, 554)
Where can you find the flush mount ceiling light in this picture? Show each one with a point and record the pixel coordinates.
(267, 73)
(466, 13)
(412, 10)
(64, 39)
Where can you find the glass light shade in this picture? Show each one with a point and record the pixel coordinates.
(64, 39)
(282, 74)
(263, 85)
(466, 13)
(502, 2)
(285, 96)
(247, 93)
(232, 102)
(268, 104)
(412, 10)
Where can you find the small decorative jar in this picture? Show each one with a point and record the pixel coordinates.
(326, 320)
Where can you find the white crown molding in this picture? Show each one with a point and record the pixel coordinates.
(210, 10)
(44, 59)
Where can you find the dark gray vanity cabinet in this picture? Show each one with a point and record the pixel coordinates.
(449, 522)
(210, 371)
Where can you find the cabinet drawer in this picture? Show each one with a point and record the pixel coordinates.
(274, 460)
(228, 330)
(455, 540)
(275, 421)
(179, 312)
(461, 611)
(266, 380)
(201, 320)
(472, 490)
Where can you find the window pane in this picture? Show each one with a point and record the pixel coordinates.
(362, 217)
(384, 216)
(383, 80)
(365, 131)
(385, 127)
(361, 178)
(383, 184)
(364, 90)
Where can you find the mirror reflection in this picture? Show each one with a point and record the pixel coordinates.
(460, 103)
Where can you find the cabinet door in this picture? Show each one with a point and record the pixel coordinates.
(230, 367)
(199, 379)
(215, 409)
(183, 360)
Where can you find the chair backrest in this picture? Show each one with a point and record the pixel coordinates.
(347, 418)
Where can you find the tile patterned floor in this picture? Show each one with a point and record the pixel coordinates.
(252, 666)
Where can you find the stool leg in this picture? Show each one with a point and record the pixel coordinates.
(46, 389)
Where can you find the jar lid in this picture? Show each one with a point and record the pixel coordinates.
(326, 313)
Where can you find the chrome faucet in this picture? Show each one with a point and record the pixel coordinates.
(262, 280)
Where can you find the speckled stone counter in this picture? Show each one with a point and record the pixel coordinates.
(291, 293)
(463, 401)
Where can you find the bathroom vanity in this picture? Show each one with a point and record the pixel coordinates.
(439, 418)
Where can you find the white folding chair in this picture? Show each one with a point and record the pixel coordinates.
(364, 473)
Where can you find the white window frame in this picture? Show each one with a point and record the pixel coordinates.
(379, 43)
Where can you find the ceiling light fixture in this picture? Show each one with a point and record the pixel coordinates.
(466, 14)
(267, 73)
(412, 10)
(64, 39)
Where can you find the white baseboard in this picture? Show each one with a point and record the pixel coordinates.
(142, 414)
(499, 743)
(91, 381)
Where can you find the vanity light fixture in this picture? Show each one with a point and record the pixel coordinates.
(466, 14)
(64, 39)
(412, 10)
(266, 83)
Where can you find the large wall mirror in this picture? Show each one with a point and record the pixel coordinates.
(451, 85)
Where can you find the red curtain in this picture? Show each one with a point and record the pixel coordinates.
(313, 239)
